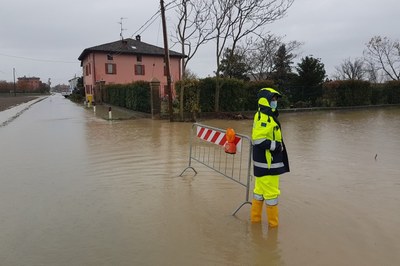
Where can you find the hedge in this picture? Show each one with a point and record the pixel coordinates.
(347, 93)
(358, 92)
(134, 96)
(392, 92)
(238, 95)
(235, 95)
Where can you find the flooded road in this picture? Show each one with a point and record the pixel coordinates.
(80, 190)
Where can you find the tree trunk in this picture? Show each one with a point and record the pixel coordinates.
(217, 92)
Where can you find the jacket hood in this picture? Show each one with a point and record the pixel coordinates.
(265, 96)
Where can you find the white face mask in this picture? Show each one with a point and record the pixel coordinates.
(274, 104)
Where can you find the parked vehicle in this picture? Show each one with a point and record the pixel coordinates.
(67, 93)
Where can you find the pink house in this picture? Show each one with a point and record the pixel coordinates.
(125, 61)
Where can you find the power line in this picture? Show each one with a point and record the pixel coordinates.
(158, 11)
(153, 18)
(151, 23)
(39, 60)
(170, 3)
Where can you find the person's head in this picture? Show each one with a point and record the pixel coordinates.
(268, 97)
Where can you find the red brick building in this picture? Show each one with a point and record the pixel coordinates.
(28, 83)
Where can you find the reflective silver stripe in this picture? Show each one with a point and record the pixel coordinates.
(265, 165)
(258, 197)
(272, 202)
(258, 141)
(273, 145)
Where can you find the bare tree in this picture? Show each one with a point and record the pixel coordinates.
(384, 54)
(261, 57)
(372, 73)
(235, 20)
(350, 69)
(262, 53)
(220, 12)
(192, 31)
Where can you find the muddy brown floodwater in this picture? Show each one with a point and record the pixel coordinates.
(79, 190)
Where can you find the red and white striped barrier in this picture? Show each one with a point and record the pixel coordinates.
(216, 137)
(236, 168)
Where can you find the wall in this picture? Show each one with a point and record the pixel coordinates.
(28, 84)
(125, 69)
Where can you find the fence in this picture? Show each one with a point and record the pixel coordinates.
(207, 148)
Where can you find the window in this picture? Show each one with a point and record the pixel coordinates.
(110, 57)
(88, 69)
(139, 58)
(139, 70)
(111, 68)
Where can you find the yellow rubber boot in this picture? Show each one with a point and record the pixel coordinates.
(256, 211)
(272, 213)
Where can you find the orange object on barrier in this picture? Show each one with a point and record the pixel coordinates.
(230, 146)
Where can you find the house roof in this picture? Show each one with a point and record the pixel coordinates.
(128, 46)
(28, 78)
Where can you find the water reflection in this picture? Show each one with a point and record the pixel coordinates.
(265, 246)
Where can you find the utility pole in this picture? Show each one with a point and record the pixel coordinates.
(169, 89)
(15, 93)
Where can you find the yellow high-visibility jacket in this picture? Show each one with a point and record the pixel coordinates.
(269, 152)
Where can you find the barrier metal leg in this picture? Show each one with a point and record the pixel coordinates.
(244, 203)
(189, 167)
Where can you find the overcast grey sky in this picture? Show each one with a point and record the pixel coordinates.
(44, 38)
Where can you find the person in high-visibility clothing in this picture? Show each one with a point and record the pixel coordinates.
(270, 158)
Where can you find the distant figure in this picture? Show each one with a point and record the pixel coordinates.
(376, 155)
(270, 158)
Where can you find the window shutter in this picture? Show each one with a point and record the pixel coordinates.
(114, 68)
(139, 70)
(106, 68)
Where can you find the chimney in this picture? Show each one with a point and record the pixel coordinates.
(138, 38)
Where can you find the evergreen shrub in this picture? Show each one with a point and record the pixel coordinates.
(134, 96)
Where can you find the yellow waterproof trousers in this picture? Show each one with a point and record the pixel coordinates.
(267, 187)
